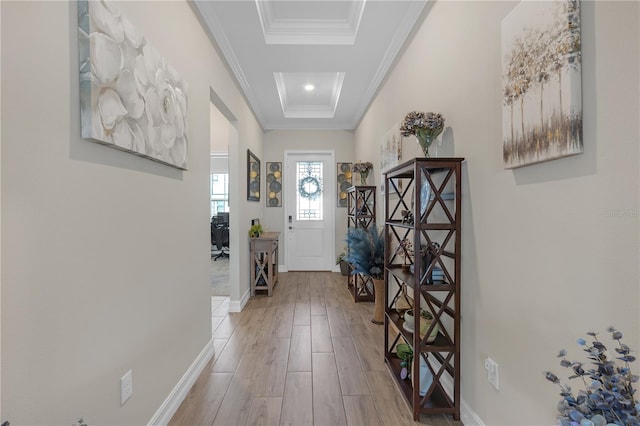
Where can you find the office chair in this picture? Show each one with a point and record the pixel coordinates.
(223, 217)
(220, 233)
(214, 225)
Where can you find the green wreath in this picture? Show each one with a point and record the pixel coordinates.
(312, 181)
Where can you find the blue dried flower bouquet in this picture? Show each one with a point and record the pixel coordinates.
(608, 397)
(366, 251)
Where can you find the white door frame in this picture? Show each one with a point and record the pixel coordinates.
(234, 160)
(329, 188)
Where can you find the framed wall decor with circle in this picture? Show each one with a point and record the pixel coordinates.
(345, 179)
(274, 184)
(253, 177)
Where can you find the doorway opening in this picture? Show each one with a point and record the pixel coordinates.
(219, 201)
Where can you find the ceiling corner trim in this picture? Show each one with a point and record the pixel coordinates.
(282, 90)
(264, 16)
(335, 93)
(355, 15)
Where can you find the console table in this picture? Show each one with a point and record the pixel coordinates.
(264, 262)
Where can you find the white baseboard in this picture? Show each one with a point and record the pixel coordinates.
(236, 306)
(179, 392)
(282, 268)
(468, 417)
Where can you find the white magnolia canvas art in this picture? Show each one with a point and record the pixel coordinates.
(542, 93)
(130, 98)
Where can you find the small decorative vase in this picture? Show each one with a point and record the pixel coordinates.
(425, 142)
(404, 302)
(409, 320)
(363, 177)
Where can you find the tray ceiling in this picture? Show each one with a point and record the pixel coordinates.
(309, 64)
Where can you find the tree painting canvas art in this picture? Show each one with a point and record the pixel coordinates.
(130, 97)
(542, 93)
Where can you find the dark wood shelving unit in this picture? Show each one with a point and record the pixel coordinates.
(361, 213)
(429, 188)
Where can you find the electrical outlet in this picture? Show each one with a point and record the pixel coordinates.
(492, 372)
(126, 387)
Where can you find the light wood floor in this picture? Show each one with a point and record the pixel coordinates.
(308, 355)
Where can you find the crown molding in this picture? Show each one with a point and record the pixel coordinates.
(399, 39)
(310, 31)
(220, 38)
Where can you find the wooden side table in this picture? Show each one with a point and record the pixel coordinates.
(264, 262)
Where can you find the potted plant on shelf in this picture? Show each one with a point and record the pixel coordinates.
(366, 255)
(255, 231)
(426, 318)
(405, 353)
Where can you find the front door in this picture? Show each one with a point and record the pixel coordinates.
(309, 212)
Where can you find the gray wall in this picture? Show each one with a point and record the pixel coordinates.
(105, 254)
(543, 258)
(276, 142)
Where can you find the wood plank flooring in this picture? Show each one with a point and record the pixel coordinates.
(308, 355)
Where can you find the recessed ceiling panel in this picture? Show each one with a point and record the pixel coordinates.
(298, 101)
(299, 42)
(310, 22)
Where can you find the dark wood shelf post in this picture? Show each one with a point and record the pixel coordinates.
(361, 213)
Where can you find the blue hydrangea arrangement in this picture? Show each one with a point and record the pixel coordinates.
(608, 397)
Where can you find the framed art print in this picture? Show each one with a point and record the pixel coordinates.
(253, 177)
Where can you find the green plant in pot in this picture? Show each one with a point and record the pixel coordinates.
(426, 318)
(366, 256)
(255, 231)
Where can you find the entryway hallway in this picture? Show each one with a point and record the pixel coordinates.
(308, 355)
